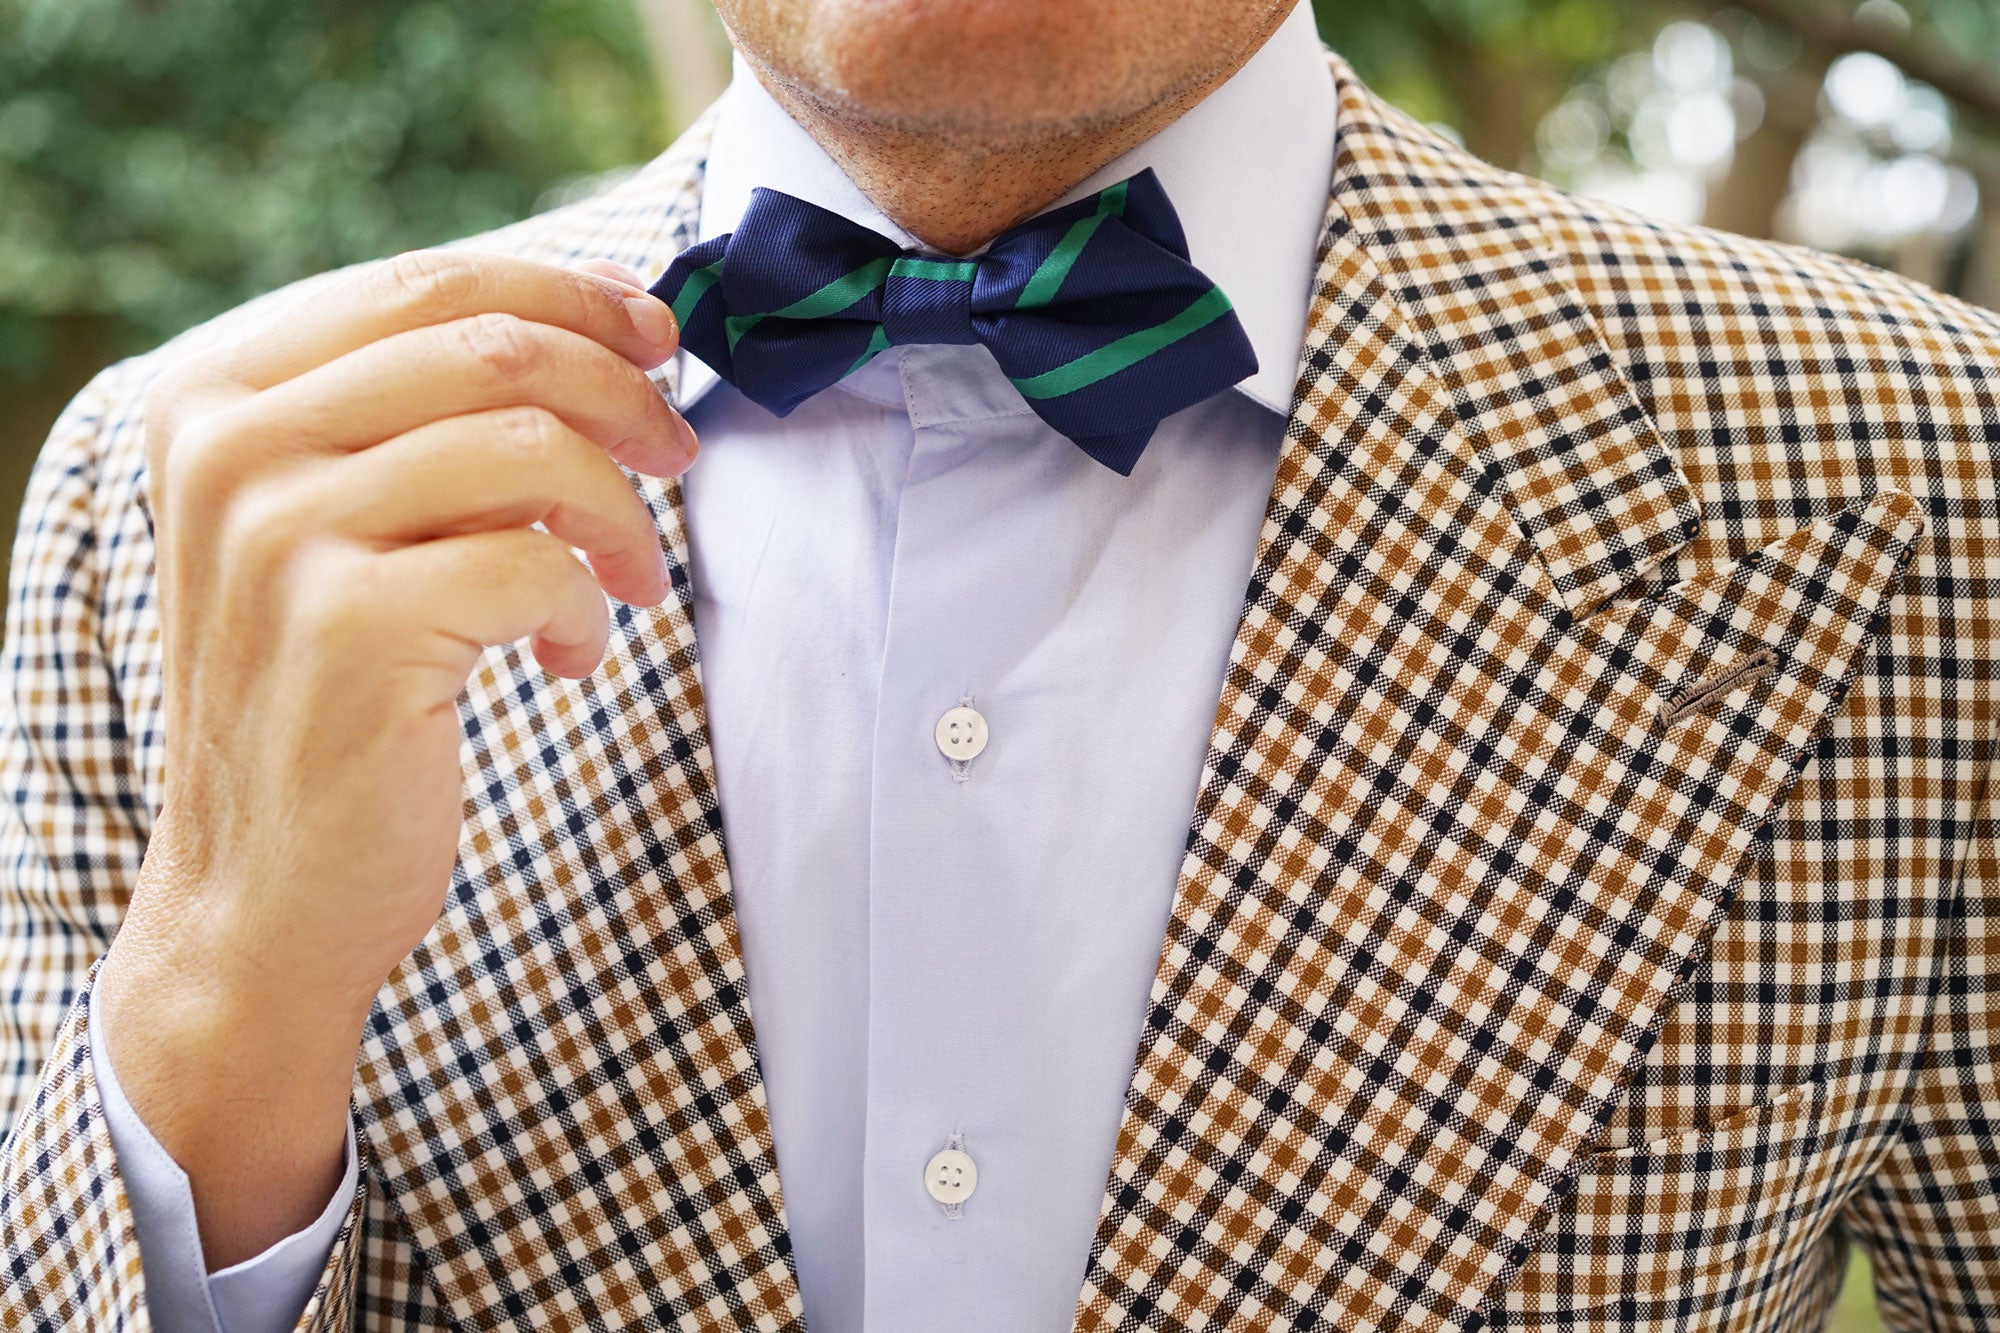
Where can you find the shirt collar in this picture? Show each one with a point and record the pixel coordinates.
(1247, 169)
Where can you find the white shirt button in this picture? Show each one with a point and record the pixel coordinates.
(950, 1177)
(961, 733)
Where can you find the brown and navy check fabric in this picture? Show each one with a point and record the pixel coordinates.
(1588, 915)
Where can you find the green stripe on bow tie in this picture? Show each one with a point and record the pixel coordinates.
(1048, 278)
(937, 270)
(878, 343)
(1130, 350)
(696, 287)
(831, 299)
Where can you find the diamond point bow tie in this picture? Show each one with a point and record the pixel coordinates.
(1092, 310)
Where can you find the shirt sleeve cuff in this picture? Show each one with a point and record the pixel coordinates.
(263, 1294)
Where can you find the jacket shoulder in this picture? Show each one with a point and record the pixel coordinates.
(1668, 286)
(1758, 359)
(1630, 266)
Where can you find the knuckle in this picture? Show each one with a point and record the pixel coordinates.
(264, 526)
(200, 460)
(548, 562)
(168, 407)
(330, 614)
(525, 555)
(500, 342)
(531, 434)
(160, 404)
(596, 305)
(161, 413)
(425, 281)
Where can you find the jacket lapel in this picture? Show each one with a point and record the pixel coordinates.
(560, 1089)
(1465, 820)
(1491, 305)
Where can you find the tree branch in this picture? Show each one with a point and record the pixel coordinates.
(1835, 32)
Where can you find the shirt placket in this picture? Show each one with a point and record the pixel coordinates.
(936, 829)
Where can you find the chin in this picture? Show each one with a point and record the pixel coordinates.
(993, 66)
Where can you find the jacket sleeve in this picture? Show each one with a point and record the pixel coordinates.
(73, 826)
(1930, 1215)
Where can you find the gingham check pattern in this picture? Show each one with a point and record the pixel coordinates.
(1491, 997)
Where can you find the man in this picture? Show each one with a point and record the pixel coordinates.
(1530, 665)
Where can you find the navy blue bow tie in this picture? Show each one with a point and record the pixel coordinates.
(1092, 310)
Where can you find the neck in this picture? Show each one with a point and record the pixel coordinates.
(955, 190)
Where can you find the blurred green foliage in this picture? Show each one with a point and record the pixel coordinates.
(1969, 27)
(1462, 62)
(162, 161)
(1448, 61)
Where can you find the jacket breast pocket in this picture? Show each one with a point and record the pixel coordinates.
(1685, 1232)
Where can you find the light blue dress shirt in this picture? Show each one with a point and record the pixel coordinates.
(943, 952)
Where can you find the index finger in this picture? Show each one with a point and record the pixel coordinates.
(423, 287)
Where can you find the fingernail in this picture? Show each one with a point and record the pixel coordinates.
(653, 320)
(689, 442)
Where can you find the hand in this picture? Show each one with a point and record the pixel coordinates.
(342, 501)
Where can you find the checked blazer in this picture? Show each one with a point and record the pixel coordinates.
(1588, 910)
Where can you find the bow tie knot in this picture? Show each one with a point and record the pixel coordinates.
(929, 301)
(1092, 310)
